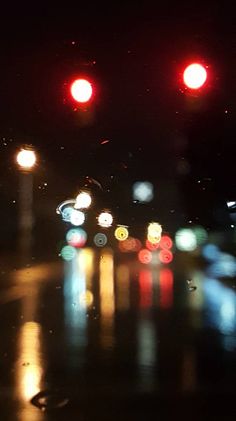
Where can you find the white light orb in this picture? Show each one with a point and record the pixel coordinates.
(83, 200)
(143, 191)
(154, 229)
(105, 219)
(185, 239)
(77, 217)
(26, 158)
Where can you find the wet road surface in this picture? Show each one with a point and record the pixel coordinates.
(103, 337)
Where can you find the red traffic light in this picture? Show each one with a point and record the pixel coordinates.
(194, 76)
(81, 90)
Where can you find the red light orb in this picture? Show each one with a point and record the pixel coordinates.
(165, 256)
(166, 242)
(145, 256)
(195, 76)
(81, 90)
(151, 246)
(129, 245)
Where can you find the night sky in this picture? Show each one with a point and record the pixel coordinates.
(135, 56)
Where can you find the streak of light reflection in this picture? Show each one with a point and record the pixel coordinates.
(29, 369)
(107, 304)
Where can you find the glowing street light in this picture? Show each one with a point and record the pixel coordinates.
(81, 90)
(195, 76)
(26, 159)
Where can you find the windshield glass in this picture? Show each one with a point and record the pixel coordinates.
(118, 211)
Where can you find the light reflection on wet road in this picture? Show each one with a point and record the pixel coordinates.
(102, 329)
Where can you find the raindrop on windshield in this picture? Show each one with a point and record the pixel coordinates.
(193, 288)
(46, 400)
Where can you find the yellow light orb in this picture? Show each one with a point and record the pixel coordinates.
(154, 229)
(26, 158)
(86, 298)
(83, 200)
(121, 233)
(105, 219)
(154, 239)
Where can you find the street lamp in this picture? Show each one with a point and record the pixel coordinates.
(26, 160)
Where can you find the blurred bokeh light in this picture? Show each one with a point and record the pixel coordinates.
(83, 200)
(185, 239)
(100, 239)
(201, 235)
(166, 242)
(76, 237)
(211, 252)
(130, 245)
(121, 233)
(86, 298)
(26, 159)
(143, 191)
(68, 253)
(77, 217)
(154, 231)
(145, 256)
(152, 245)
(165, 256)
(105, 219)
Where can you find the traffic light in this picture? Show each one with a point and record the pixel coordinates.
(79, 95)
(81, 90)
(196, 85)
(194, 76)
